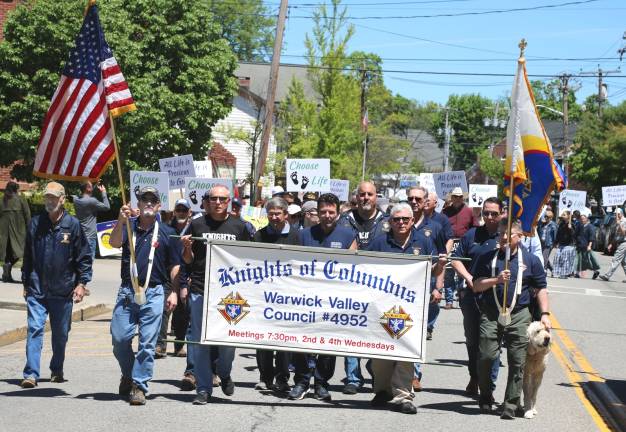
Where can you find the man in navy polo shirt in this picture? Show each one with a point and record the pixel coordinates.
(392, 381)
(476, 242)
(328, 235)
(490, 277)
(158, 259)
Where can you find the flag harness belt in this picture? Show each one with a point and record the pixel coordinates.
(133, 266)
(504, 318)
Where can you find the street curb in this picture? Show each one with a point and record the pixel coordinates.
(18, 334)
(610, 406)
(13, 305)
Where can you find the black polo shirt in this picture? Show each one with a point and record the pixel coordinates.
(167, 254)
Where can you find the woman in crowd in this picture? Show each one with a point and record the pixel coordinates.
(565, 258)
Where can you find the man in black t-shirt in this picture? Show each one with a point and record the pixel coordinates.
(216, 224)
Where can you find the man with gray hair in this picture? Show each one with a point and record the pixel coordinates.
(393, 378)
(278, 231)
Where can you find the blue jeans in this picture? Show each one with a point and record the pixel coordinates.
(93, 245)
(451, 283)
(190, 347)
(202, 360)
(60, 312)
(127, 315)
(352, 366)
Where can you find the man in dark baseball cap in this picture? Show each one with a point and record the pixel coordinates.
(148, 192)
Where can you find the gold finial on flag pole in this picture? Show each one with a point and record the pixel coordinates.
(522, 46)
(90, 3)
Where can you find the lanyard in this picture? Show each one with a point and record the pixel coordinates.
(518, 284)
(133, 265)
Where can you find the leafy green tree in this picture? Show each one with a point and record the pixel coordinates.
(465, 116)
(492, 167)
(599, 149)
(178, 66)
(549, 94)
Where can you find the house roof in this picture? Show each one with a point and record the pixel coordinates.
(426, 149)
(258, 75)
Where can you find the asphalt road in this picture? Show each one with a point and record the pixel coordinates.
(592, 333)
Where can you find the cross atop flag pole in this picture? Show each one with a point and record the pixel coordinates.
(530, 163)
(76, 140)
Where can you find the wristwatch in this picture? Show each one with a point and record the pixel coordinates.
(545, 313)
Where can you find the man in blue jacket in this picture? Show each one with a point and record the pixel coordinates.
(56, 269)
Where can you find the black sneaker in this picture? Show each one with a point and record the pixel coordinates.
(405, 408)
(604, 278)
(126, 385)
(429, 335)
(350, 389)
(507, 414)
(595, 275)
(228, 386)
(298, 392)
(281, 387)
(137, 396)
(381, 399)
(485, 408)
(57, 378)
(202, 398)
(321, 393)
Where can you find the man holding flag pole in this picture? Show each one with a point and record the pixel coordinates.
(512, 273)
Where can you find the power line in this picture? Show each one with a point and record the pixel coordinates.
(593, 59)
(444, 15)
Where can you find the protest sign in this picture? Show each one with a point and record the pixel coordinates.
(204, 169)
(341, 188)
(572, 200)
(446, 181)
(316, 300)
(104, 234)
(195, 187)
(307, 175)
(426, 180)
(478, 193)
(257, 216)
(158, 180)
(178, 167)
(408, 180)
(613, 195)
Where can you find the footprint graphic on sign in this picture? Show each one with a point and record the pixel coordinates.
(569, 203)
(305, 181)
(294, 177)
(136, 191)
(193, 197)
(480, 201)
(474, 197)
(564, 200)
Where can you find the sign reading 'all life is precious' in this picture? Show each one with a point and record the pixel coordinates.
(613, 195)
(304, 175)
(178, 167)
(341, 188)
(158, 180)
(316, 300)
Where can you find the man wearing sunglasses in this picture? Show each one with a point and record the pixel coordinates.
(366, 222)
(157, 262)
(476, 242)
(393, 379)
(219, 225)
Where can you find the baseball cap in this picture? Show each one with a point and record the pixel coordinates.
(149, 190)
(309, 205)
(54, 188)
(293, 209)
(276, 190)
(182, 202)
(310, 196)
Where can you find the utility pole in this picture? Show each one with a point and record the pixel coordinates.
(446, 143)
(565, 91)
(364, 118)
(271, 96)
(601, 87)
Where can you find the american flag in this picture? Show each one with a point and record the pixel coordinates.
(76, 140)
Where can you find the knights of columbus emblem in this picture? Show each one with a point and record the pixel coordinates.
(396, 322)
(233, 308)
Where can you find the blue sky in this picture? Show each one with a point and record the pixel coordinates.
(590, 30)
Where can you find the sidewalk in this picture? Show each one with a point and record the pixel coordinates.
(103, 287)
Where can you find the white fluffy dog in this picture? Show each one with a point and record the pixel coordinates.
(539, 340)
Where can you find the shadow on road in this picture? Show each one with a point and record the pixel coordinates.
(36, 392)
(101, 396)
(461, 407)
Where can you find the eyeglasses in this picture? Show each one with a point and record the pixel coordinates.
(400, 219)
(416, 199)
(491, 213)
(218, 198)
(180, 210)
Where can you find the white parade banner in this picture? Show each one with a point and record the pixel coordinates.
(478, 193)
(572, 200)
(158, 180)
(178, 167)
(196, 187)
(341, 188)
(613, 195)
(308, 175)
(316, 300)
(204, 169)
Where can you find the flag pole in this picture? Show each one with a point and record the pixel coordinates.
(521, 59)
(140, 297)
